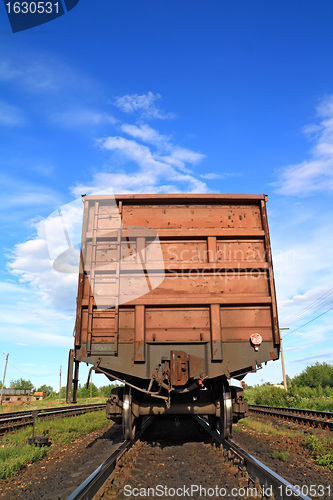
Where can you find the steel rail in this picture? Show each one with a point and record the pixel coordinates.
(268, 479)
(315, 413)
(288, 415)
(10, 421)
(95, 481)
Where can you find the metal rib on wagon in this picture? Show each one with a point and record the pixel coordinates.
(176, 296)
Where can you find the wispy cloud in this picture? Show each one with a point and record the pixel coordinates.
(327, 356)
(156, 173)
(315, 174)
(37, 322)
(11, 116)
(302, 263)
(145, 105)
(32, 264)
(82, 117)
(145, 133)
(43, 74)
(20, 194)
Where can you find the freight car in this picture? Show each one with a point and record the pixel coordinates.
(175, 297)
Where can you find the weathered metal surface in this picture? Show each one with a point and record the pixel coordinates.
(161, 270)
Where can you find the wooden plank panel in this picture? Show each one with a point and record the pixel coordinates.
(216, 332)
(173, 324)
(275, 322)
(139, 334)
(175, 250)
(239, 323)
(212, 249)
(141, 250)
(197, 283)
(252, 250)
(192, 216)
(190, 233)
(238, 266)
(190, 300)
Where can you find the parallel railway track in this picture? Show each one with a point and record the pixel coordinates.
(257, 474)
(15, 420)
(313, 418)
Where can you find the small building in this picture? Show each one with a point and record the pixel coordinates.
(39, 395)
(20, 396)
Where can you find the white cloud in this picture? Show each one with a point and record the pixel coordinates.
(211, 177)
(304, 267)
(27, 319)
(156, 173)
(81, 117)
(43, 74)
(315, 174)
(11, 116)
(145, 133)
(144, 104)
(7, 71)
(32, 264)
(18, 195)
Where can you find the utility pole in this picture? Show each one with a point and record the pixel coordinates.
(4, 377)
(282, 361)
(60, 383)
(91, 386)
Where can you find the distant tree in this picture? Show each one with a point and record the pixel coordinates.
(105, 390)
(85, 393)
(288, 380)
(45, 388)
(21, 383)
(317, 375)
(63, 392)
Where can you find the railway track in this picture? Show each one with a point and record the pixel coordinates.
(313, 418)
(15, 420)
(252, 476)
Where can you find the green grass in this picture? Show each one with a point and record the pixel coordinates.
(317, 398)
(321, 449)
(16, 453)
(48, 403)
(281, 455)
(320, 445)
(265, 427)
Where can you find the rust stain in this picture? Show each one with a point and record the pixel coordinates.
(273, 355)
(83, 355)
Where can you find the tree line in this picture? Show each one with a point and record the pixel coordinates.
(83, 392)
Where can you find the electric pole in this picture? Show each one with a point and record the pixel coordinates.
(282, 361)
(91, 386)
(60, 383)
(4, 377)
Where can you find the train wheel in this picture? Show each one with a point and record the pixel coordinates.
(225, 420)
(128, 418)
(226, 416)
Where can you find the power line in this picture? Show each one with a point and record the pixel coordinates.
(296, 330)
(31, 374)
(320, 302)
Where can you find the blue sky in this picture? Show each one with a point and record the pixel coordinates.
(191, 96)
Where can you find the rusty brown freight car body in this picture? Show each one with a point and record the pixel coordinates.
(176, 294)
